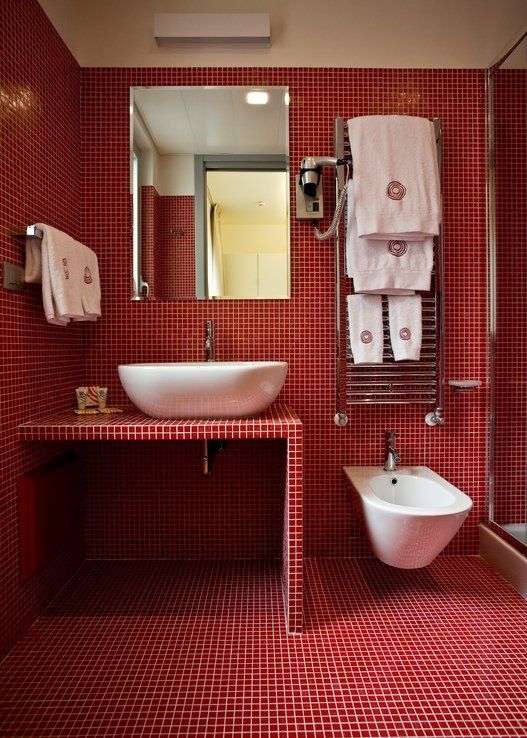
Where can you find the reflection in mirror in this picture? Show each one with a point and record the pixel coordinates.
(209, 184)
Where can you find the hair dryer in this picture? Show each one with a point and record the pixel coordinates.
(311, 170)
(310, 173)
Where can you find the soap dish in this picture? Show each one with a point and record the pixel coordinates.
(464, 385)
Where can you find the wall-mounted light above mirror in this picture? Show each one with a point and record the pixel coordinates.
(209, 184)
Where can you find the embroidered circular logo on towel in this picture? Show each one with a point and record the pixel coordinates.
(397, 248)
(405, 334)
(395, 190)
(65, 267)
(366, 337)
(87, 276)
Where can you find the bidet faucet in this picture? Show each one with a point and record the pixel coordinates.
(435, 417)
(392, 455)
(210, 341)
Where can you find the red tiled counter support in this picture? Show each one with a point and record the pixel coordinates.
(277, 422)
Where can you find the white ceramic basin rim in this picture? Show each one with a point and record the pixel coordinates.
(406, 490)
(417, 488)
(201, 389)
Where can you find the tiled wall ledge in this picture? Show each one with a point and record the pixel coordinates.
(278, 421)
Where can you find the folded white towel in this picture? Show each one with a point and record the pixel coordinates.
(397, 193)
(365, 327)
(391, 267)
(70, 278)
(406, 327)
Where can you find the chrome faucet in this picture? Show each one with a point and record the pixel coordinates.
(392, 455)
(210, 341)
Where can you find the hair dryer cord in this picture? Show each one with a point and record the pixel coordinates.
(324, 235)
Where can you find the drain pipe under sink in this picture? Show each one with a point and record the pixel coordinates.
(210, 449)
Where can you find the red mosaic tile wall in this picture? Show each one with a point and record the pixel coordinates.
(179, 277)
(510, 154)
(40, 364)
(167, 260)
(301, 330)
(196, 518)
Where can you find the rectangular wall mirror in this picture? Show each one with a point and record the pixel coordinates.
(209, 191)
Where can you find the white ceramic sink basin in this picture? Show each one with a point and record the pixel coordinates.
(215, 389)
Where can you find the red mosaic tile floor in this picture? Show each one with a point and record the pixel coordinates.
(199, 649)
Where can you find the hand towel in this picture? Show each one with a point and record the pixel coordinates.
(397, 193)
(33, 263)
(365, 327)
(90, 285)
(70, 278)
(390, 267)
(406, 327)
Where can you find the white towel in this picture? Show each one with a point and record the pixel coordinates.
(365, 326)
(90, 286)
(33, 263)
(70, 278)
(390, 267)
(406, 327)
(397, 193)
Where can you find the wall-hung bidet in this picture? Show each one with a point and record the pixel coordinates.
(409, 515)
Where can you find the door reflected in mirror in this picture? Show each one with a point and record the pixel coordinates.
(209, 184)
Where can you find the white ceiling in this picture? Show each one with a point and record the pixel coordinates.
(213, 120)
(304, 33)
(239, 193)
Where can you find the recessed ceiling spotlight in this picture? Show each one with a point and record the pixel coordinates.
(257, 97)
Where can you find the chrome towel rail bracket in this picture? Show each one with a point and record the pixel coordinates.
(30, 232)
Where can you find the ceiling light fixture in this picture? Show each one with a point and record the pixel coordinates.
(257, 97)
(213, 29)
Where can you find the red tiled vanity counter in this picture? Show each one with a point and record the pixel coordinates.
(277, 422)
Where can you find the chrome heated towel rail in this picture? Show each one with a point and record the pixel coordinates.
(394, 383)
